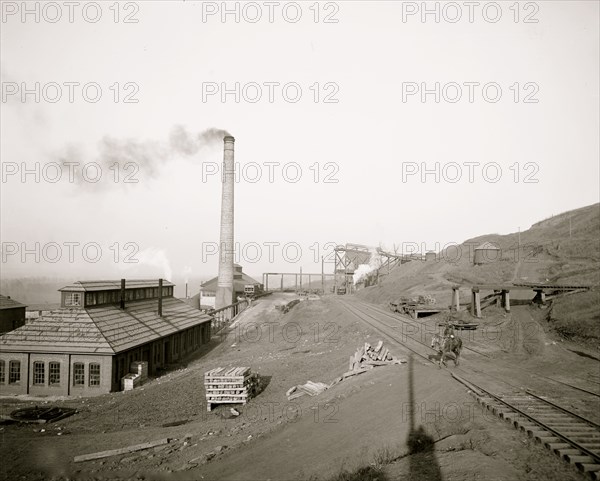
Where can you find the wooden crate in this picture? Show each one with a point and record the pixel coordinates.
(235, 386)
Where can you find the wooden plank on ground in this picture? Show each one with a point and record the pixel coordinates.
(116, 452)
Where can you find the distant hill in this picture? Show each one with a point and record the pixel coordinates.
(562, 249)
(38, 291)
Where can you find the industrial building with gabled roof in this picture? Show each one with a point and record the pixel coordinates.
(12, 314)
(207, 296)
(88, 345)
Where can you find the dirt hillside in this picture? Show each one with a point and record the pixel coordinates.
(563, 249)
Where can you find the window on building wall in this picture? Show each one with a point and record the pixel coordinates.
(2, 372)
(94, 374)
(91, 299)
(14, 372)
(54, 373)
(73, 299)
(78, 374)
(39, 373)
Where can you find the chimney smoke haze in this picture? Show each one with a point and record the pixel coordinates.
(148, 156)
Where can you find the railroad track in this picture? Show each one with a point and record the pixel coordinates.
(378, 325)
(412, 345)
(407, 321)
(570, 436)
(567, 434)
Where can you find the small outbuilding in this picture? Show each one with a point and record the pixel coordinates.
(486, 253)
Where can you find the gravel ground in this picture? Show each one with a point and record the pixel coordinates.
(311, 342)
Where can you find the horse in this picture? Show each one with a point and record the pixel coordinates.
(445, 345)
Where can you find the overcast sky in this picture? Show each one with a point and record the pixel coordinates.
(326, 97)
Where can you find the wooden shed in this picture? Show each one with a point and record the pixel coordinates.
(486, 253)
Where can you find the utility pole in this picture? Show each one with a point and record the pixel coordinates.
(323, 274)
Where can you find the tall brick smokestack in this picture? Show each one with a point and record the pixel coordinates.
(225, 293)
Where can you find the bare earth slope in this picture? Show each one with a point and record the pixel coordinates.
(360, 421)
(564, 249)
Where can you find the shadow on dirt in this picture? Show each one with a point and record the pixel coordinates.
(263, 382)
(422, 461)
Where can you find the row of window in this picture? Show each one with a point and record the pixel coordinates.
(75, 299)
(14, 372)
(39, 373)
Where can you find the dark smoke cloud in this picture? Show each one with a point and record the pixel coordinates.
(148, 155)
(185, 143)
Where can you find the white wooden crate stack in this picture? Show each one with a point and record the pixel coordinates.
(235, 385)
(138, 375)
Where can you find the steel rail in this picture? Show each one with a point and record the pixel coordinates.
(581, 418)
(559, 435)
(410, 322)
(382, 331)
(399, 317)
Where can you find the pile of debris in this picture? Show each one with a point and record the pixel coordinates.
(286, 307)
(39, 414)
(427, 300)
(365, 358)
(310, 388)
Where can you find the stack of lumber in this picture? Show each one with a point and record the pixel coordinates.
(310, 388)
(368, 356)
(235, 385)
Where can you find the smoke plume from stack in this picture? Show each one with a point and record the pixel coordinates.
(147, 155)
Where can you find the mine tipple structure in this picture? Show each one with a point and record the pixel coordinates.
(347, 259)
(88, 345)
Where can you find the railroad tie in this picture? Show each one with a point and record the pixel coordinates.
(566, 434)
